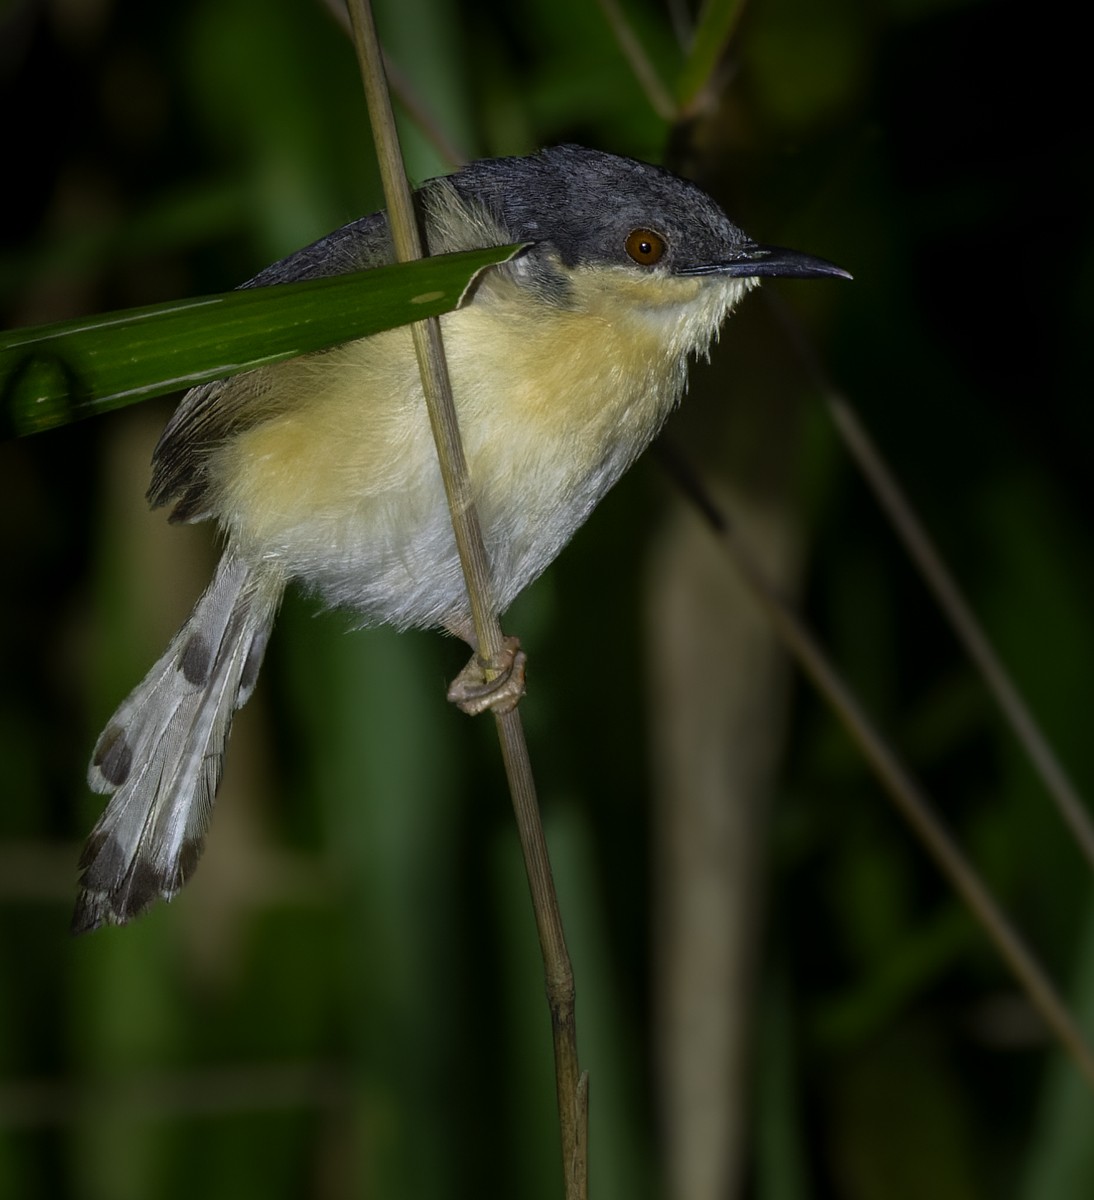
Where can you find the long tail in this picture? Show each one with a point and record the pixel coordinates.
(161, 753)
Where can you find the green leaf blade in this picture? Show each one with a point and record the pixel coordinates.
(52, 375)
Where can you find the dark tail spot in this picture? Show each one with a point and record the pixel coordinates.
(196, 660)
(90, 913)
(253, 664)
(113, 756)
(144, 884)
(188, 861)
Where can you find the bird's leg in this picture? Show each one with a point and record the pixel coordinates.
(496, 684)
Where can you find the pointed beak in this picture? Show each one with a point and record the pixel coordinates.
(753, 260)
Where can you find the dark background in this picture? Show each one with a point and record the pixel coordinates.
(346, 1000)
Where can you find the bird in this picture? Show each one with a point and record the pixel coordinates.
(565, 362)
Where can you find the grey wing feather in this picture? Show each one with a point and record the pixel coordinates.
(209, 414)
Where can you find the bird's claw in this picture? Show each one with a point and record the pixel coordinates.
(497, 685)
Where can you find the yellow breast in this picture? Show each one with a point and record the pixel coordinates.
(554, 403)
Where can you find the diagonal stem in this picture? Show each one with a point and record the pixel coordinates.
(891, 773)
(403, 91)
(644, 71)
(938, 578)
(971, 633)
(428, 346)
(572, 1085)
(572, 1082)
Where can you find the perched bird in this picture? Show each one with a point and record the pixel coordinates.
(565, 361)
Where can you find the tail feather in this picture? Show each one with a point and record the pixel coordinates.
(161, 754)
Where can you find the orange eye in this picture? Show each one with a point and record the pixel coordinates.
(645, 246)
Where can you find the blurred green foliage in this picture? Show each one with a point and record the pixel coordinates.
(347, 1000)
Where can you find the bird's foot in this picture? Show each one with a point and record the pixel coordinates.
(496, 685)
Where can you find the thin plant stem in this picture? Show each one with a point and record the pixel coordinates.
(968, 629)
(894, 777)
(949, 597)
(427, 340)
(659, 97)
(404, 92)
(572, 1084)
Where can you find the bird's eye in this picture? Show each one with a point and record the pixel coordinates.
(645, 246)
